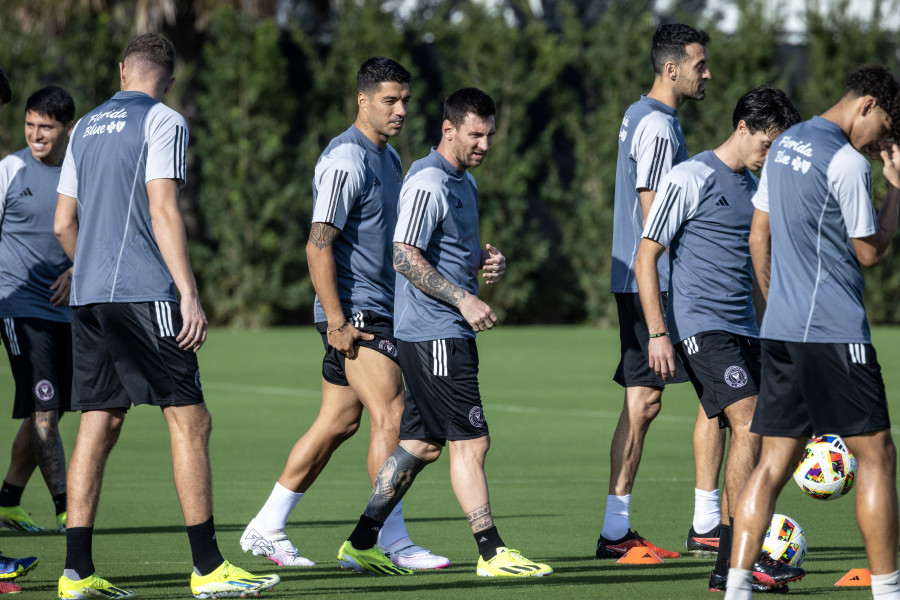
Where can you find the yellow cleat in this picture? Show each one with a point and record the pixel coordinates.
(510, 563)
(16, 518)
(372, 560)
(229, 581)
(90, 587)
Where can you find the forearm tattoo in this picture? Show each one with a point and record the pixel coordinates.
(480, 518)
(394, 478)
(322, 235)
(409, 262)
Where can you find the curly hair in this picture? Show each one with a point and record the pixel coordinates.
(670, 41)
(880, 83)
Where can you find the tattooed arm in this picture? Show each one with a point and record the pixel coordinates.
(323, 272)
(409, 262)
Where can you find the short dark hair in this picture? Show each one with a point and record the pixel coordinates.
(376, 71)
(52, 101)
(880, 83)
(765, 109)
(153, 50)
(5, 90)
(465, 101)
(670, 41)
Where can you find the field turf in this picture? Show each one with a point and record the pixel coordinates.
(552, 408)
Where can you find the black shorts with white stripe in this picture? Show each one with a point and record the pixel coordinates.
(634, 366)
(442, 398)
(810, 388)
(723, 367)
(40, 356)
(126, 353)
(368, 322)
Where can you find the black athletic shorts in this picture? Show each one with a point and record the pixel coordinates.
(126, 353)
(442, 398)
(40, 355)
(724, 368)
(369, 322)
(813, 389)
(634, 366)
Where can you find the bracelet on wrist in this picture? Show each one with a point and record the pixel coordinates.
(658, 335)
(330, 331)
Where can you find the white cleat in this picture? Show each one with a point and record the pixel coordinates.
(406, 554)
(274, 545)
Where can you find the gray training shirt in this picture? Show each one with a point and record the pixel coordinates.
(439, 216)
(115, 150)
(703, 216)
(31, 258)
(650, 143)
(817, 190)
(355, 189)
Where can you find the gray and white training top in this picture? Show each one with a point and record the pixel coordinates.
(650, 143)
(439, 216)
(115, 150)
(703, 216)
(355, 189)
(31, 258)
(817, 190)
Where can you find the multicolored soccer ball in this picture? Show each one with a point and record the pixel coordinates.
(827, 469)
(785, 541)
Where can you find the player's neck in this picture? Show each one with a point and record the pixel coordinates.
(842, 115)
(729, 153)
(377, 138)
(663, 90)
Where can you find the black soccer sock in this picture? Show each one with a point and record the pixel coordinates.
(365, 534)
(60, 503)
(488, 541)
(11, 495)
(723, 557)
(79, 552)
(204, 548)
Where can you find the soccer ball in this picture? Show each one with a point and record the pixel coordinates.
(827, 469)
(785, 541)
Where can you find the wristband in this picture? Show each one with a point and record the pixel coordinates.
(337, 328)
(658, 335)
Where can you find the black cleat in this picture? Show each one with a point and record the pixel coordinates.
(770, 572)
(703, 544)
(717, 584)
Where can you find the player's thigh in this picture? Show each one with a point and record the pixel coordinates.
(340, 405)
(376, 380)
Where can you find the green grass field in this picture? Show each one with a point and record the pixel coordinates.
(552, 408)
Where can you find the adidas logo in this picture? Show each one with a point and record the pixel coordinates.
(483, 539)
(854, 578)
(722, 202)
(26, 192)
(458, 204)
(377, 182)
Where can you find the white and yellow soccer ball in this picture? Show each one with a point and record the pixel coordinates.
(827, 469)
(785, 541)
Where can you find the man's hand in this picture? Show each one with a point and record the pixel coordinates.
(61, 288)
(479, 315)
(890, 156)
(193, 328)
(344, 338)
(662, 357)
(493, 263)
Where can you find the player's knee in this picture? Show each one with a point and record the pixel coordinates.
(342, 432)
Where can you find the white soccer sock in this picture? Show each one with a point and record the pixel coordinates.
(739, 585)
(394, 528)
(274, 513)
(886, 587)
(616, 522)
(707, 513)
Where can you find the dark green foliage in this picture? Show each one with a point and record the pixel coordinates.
(263, 97)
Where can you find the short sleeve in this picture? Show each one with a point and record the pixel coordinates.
(761, 197)
(420, 208)
(850, 181)
(167, 140)
(7, 172)
(653, 150)
(68, 178)
(339, 183)
(673, 205)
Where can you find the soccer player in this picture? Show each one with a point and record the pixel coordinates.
(703, 216)
(35, 277)
(10, 568)
(650, 143)
(355, 190)
(437, 255)
(819, 369)
(117, 218)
